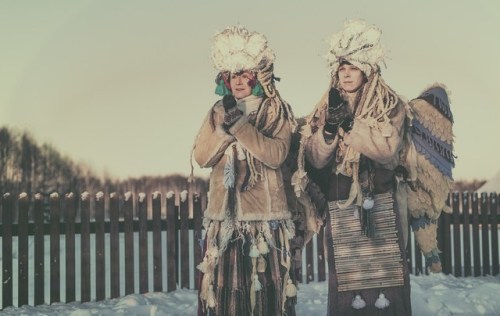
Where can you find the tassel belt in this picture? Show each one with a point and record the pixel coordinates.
(363, 262)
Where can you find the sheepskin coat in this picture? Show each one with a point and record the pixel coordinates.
(265, 200)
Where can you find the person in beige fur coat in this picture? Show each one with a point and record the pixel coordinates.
(245, 139)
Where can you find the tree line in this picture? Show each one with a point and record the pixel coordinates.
(26, 166)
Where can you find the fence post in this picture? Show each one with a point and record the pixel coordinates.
(69, 220)
(143, 243)
(447, 243)
(129, 244)
(171, 243)
(485, 232)
(457, 249)
(7, 210)
(114, 241)
(22, 281)
(309, 262)
(475, 235)
(100, 272)
(55, 279)
(39, 251)
(157, 266)
(85, 247)
(320, 242)
(466, 233)
(198, 238)
(184, 238)
(494, 232)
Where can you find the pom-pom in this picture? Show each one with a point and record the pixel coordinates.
(368, 203)
(203, 265)
(211, 297)
(291, 289)
(262, 246)
(257, 286)
(261, 264)
(358, 302)
(254, 252)
(381, 301)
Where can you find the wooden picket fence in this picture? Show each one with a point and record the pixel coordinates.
(469, 241)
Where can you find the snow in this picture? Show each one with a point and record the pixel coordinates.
(435, 294)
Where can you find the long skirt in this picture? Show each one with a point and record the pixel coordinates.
(367, 276)
(234, 285)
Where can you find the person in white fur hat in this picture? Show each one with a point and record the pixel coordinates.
(244, 139)
(350, 146)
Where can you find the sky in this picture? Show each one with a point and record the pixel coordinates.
(124, 85)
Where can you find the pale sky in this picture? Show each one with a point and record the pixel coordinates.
(124, 85)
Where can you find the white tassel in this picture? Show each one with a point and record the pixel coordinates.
(257, 286)
(254, 252)
(262, 246)
(211, 231)
(291, 289)
(355, 213)
(203, 265)
(368, 203)
(211, 297)
(381, 301)
(205, 285)
(358, 302)
(261, 264)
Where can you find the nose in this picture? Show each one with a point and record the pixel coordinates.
(238, 80)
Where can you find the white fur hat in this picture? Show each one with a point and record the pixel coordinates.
(357, 43)
(235, 49)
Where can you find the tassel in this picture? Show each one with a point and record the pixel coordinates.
(358, 302)
(229, 174)
(261, 264)
(203, 265)
(211, 297)
(205, 285)
(257, 286)
(262, 246)
(355, 213)
(381, 301)
(254, 252)
(212, 255)
(211, 231)
(291, 289)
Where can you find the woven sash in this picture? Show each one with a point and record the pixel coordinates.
(362, 262)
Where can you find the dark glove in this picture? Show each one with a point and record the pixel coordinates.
(337, 114)
(232, 113)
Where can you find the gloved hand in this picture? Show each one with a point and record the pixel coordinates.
(337, 114)
(232, 113)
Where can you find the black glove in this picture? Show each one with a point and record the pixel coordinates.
(337, 114)
(232, 113)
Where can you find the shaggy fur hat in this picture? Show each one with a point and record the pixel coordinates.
(357, 43)
(236, 49)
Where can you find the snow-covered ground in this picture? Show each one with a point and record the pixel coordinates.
(435, 294)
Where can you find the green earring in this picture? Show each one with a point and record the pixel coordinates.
(221, 89)
(257, 90)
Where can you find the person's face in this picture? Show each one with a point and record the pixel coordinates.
(241, 84)
(351, 78)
